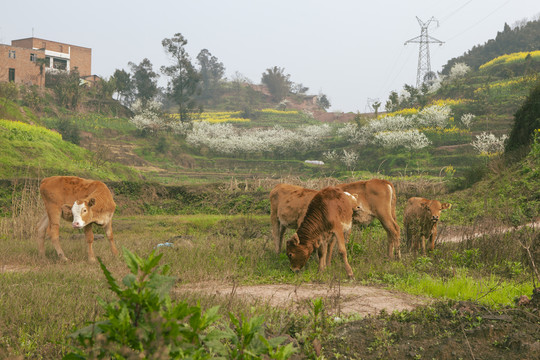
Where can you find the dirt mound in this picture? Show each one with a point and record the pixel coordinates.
(345, 299)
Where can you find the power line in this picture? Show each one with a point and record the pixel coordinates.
(424, 61)
(479, 21)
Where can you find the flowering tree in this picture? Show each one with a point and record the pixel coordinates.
(147, 117)
(349, 158)
(488, 144)
(458, 70)
(409, 139)
(354, 134)
(434, 116)
(467, 119)
(224, 138)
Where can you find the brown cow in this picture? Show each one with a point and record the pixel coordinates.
(80, 201)
(420, 219)
(377, 199)
(328, 218)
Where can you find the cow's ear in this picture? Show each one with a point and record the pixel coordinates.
(91, 202)
(295, 239)
(446, 206)
(66, 212)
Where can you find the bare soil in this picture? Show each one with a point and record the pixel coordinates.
(423, 328)
(343, 300)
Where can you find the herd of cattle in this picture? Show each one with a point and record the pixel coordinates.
(321, 218)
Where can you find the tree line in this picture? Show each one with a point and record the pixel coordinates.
(192, 84)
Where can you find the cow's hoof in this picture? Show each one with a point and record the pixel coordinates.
(64, 259)
(92, 260)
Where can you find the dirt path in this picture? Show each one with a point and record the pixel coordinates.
(461, 234)
(345, 299)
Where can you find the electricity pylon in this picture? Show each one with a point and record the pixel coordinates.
(424, 65)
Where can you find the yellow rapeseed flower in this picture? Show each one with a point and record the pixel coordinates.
(508, 58)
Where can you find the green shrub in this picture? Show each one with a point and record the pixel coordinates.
(69, 130)
(144, 323)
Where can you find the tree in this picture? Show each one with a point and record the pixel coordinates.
(323, 102)
(123, 85)
(211, 72)
(526, 121)
(299, 89)
(277, 82)
(66, 86)
(144, 80)
(184, 80)
(392, 103)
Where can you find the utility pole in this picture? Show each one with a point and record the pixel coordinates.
(424, 65)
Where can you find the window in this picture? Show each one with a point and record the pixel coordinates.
(12, 54)
(33, 57)
(43, 45)
(12, 75)
(61, 48)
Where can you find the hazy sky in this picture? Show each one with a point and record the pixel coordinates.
(350, 50)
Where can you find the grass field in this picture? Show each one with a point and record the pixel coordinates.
(44, 300)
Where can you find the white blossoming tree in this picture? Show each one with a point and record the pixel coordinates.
(434, 116)
(458, 70)
(489, 144)
(467, 120)
(147, 118)
(408, 139)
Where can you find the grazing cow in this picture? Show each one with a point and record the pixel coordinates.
(328, 218)
(80, 201)
(420, 219)
(376, 197)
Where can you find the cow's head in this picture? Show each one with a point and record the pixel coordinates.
(353, 198)
(80, 212)
(298, 254)
(434, 209)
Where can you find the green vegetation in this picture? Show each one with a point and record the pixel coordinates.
(144, 322)
(36, 151)
(203, 212)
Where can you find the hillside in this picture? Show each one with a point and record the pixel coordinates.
(520, 38)
(245, 134)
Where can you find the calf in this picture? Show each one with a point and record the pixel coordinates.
(420, 220)
(81, 201)
(328, 218)
(376, 198)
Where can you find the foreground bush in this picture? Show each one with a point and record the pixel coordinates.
(144, 323)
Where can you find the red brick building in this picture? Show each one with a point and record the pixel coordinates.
(18, 61)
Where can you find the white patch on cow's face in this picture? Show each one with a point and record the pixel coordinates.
(78, 210)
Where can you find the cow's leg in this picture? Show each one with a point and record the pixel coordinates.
(393, 233)
(53, 230)
(41, 232)
(343, 252)
(408, 237)
(277, 230)
(433, 237)
(321, 251)
(89, 235)
(423, 245)
(109, 233)
(330, 243)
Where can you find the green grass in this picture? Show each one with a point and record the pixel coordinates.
(493, 291)
(36, 151)
(48, 299)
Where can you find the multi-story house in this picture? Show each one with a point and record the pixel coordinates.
(18, 62)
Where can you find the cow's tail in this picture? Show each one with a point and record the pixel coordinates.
(42, 226)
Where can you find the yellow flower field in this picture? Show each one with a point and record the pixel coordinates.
(508, 58)
(216, 117)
